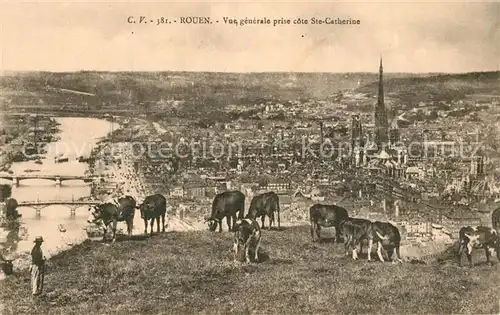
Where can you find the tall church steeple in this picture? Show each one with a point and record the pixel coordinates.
(381, 122)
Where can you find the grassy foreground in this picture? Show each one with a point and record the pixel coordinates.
(186, 273)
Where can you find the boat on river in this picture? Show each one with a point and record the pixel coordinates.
(61, 228)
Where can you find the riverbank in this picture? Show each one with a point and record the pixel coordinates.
(13, 150)
(179, 273)
(76, 143)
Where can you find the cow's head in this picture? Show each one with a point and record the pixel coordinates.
(95, 214)
(472, 239)
(7, 266)
(212, 223)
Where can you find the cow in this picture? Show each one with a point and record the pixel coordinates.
(11, 209)
(385, 235)
(122, 209)
(152, 208)
(495, 219)
(355, 231)
(326, 216)
(6, 265)
(265, 204)
(470, 237)
(247, 234)
(226, 205)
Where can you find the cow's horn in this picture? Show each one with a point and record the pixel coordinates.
(380, 236)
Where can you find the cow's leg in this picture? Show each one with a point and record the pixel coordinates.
(279, 226)
(347, 242)
(398, 255)
(272, 220)
(228, 220)
(114, 230)
(235, 219)
(313, 232)
(487, 252)
(468, 252)
(130, 226)
(337, 233)
(257, 246)
(145, 226)
(219, 222)
(361, 246)
(247, 251)
(354, 251)
(262, 219)
(379, 251)
(158, 224)
(461, 248)
(318, 231)
(104, 234)
(163, 222)
(235, 248)
(151, 225)
(370, 245)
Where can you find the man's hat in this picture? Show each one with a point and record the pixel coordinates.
(38, 239)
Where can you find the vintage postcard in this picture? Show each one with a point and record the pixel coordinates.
(245, 157)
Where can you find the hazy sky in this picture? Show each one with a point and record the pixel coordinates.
(413, 37)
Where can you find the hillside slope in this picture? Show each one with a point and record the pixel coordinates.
(206, 88)
(445, 87)
(186, 273)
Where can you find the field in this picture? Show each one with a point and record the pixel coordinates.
(193, 272)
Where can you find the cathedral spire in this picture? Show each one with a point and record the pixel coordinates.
(381, 122)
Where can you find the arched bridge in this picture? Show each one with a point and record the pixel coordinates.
(71, 204)
(57, 178)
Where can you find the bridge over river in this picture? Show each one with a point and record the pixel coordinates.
(71, 204)
(58, 179)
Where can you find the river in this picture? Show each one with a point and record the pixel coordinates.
(77, 138)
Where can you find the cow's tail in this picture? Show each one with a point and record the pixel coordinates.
(241, 214)
(278, 210)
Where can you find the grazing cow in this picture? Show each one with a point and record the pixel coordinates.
(11, 209)
(326, 216)
(265, 204)
(355, 230)
(385, 234)
(495, 219)
(246, 234)
(123, 209)
(226, 205)
(483, 236)
(6, 265)
(152, 208)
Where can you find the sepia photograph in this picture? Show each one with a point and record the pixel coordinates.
(235, 157)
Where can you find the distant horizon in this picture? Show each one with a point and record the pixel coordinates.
(241, 72)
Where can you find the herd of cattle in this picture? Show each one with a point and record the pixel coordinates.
(247, 232)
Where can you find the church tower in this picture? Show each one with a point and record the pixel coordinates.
(381, 123)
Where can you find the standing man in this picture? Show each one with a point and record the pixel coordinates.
(37, 267)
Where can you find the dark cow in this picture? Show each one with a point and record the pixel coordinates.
(385, 235)
(355, 231)
(246, 234)
(483, 236)
(11, 209)
(154, 207)
(326, 216)
(265, 204)
(495, 219)
(123, 209)
(6, 265)
(226, 205)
